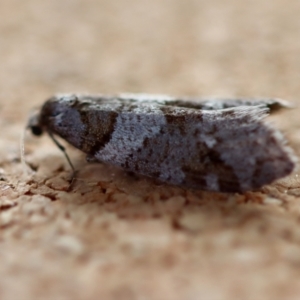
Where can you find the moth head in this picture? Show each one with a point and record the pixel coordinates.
(52, 115)
(34, 125)
(59, 116)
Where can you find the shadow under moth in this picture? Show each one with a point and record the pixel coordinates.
(212, 144)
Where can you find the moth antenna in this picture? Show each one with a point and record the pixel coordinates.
(22, 153)
(63, 149)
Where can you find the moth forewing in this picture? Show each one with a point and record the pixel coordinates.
(219, 145)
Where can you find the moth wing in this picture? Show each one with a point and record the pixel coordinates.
(208, 103)
(229, 150)
(222, 103)
(226, 150)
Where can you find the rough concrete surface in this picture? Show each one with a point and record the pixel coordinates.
(115, 236)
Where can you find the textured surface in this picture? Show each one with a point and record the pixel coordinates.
(115, 236)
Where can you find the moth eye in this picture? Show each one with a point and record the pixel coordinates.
(36, 130)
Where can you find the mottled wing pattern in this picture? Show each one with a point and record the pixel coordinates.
(227, 150)
(219, 146)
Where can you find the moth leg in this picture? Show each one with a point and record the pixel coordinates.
(63, 149)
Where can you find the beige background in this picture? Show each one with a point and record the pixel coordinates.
(118, 237)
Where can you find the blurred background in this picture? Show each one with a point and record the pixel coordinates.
(191, 47)
(178, 47)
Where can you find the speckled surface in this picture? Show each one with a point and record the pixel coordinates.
(116, 236)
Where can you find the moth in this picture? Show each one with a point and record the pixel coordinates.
(213, 144)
